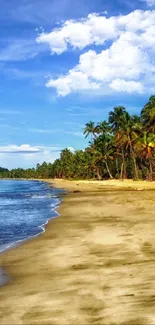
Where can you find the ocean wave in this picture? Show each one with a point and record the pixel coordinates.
(29, 214)
(44, 196)
(55, 204)
(5, 247)
(35, 196)
(14, 244)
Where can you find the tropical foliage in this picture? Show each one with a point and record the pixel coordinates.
(122, 147)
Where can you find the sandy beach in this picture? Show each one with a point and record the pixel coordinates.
(94, 264)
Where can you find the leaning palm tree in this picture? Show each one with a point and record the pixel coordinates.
(148, 115)
(90, 129)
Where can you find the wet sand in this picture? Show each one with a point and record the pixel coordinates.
(95, 264)
(4, 278)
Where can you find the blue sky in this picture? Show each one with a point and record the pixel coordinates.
(63, 63)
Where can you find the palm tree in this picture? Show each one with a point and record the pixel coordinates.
(90, 129)
(148, 115)
(116, 119)
(95, 161)
(103, 127)
(145, 148)
(122, 147)
(103, 151)
(128, 138)
(66, 157)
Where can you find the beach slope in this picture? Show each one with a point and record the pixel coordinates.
(93, 265)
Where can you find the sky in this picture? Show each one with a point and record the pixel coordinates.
(64, 63)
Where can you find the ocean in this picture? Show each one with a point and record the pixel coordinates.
(25, 208)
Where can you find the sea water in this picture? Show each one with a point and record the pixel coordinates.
(25, 208)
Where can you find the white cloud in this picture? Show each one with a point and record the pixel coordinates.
(28, 149)
(71, 149)
(126, 63)
(126, 86)
(25, 155)
(95, 29)
(150, 3)
(79, 34)
(75, 80)
(24, 148)
(9, 160)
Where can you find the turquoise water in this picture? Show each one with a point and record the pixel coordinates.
(25, 208)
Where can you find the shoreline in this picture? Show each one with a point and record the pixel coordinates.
(43, 226)
(110, 184)
(4, 277)
(94, 264)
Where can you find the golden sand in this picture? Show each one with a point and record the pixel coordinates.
(95, 263)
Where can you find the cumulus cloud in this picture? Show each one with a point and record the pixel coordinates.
(122, 67)
(75, 80)
(96, 29)
(126, 63)
(126, 86)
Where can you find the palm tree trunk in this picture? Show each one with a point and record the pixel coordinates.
(122, 168)
(135, 165)
(98, 174)
(125, 174)
(134, 160)
(117, 169)
(123, 171)
(108, 170)
(151, 171)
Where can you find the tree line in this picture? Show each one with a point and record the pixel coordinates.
(122, 147)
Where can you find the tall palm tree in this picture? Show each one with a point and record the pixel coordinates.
(103, 151)
(90, 129)
(116, 119)
(128, 138)
(148, 115)
(95, 161)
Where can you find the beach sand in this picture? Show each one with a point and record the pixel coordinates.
(95, 264)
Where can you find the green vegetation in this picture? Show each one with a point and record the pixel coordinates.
(122, 147)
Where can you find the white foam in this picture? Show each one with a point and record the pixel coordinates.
(42, 227)
(39, 196)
